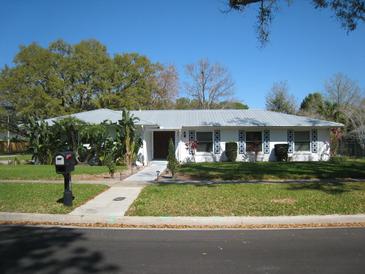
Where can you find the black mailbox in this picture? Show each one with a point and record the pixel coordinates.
(65, 162)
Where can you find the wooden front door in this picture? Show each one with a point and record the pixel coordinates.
(161, 141)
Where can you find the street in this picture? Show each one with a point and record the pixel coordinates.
(73, 250)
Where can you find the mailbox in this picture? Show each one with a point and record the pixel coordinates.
(65, 162)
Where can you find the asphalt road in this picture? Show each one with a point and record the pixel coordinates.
(65, 250)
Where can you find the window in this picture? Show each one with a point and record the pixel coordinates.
(204, 141)
(253, 141)
(302, 141)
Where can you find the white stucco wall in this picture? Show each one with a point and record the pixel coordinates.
(145, 152)
(277, 136)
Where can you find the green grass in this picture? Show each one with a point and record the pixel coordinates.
(274, 170)
(43, 198)
(250, 199)
(35, 172)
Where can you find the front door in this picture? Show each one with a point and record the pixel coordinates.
(161, 141)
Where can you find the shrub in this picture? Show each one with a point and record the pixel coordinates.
(231, 151)
(110, 163)
(281, 152)
(172, 163)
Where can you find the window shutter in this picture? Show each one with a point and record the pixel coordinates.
(241, 142)
(217, 139)
(290, 141)
(314, 141)
(266, 141)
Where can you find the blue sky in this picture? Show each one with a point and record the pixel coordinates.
(307, 46)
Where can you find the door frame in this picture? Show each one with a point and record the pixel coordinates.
(153, 141)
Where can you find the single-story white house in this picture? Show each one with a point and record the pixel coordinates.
(253, 131)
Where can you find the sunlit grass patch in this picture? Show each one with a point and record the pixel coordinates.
(250, 199)
(43, 198)
(35, 172)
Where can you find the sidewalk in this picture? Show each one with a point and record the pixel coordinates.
(186, 222)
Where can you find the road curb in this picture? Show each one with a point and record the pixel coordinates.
(184, 222)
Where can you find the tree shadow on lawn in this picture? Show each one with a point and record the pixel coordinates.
(197, 184)
(25, 249)
(333, 188)
(279, 170)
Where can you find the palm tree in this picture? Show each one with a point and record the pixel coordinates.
(128, 137)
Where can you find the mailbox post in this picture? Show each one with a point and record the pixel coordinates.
(65, 164)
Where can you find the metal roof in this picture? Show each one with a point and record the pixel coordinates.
(175, 119)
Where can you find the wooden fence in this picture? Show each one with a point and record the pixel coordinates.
(14, 147)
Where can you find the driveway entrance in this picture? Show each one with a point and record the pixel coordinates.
(161, 141)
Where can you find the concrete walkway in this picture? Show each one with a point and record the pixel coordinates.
(118, 198)
(148, 174)
(111, 203)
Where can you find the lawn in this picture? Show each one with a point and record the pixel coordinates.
(43, 198)
(250, 199)
(273, 170)
(35, 172)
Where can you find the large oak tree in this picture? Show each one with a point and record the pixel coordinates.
(65, 78)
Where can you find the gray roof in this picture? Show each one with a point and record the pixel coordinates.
(175, 119)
